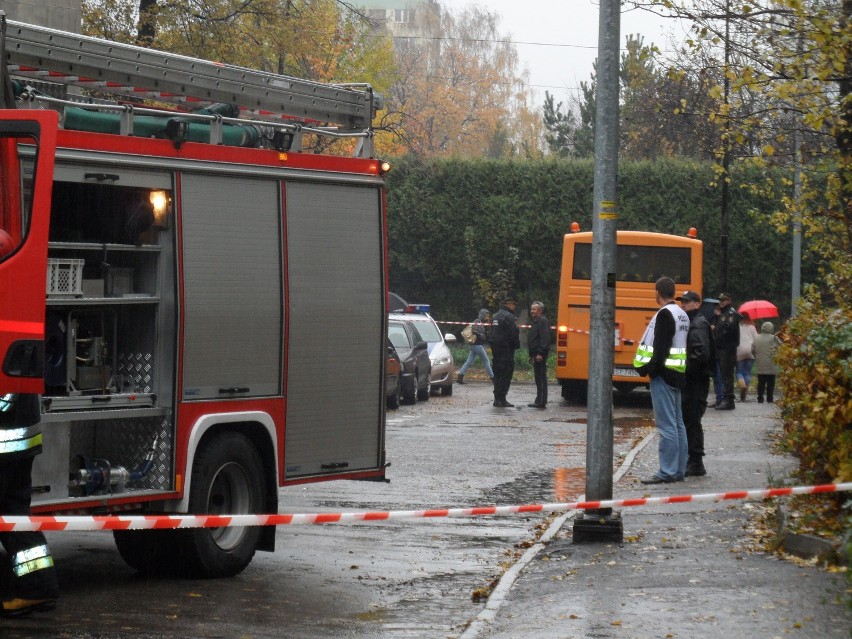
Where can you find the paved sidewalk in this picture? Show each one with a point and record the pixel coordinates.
(683, 571)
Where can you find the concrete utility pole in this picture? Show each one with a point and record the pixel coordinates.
(603, 524)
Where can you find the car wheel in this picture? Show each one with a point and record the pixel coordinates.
(393, 398)
(409, 392)
(423, 393)
(447, 390)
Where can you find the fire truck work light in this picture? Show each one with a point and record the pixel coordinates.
(160, 202)
(384, 167)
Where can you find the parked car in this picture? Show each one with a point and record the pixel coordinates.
(414, 358)
(443, 366)
(393, 377)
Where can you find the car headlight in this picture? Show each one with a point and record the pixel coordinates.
(443, 359)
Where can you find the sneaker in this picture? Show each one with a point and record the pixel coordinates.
(656, 479)
(20, 607)
(460, 378)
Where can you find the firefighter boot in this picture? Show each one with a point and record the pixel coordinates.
(21, 607)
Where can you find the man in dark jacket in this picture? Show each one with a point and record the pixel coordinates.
(726, 333)
(505, 340)
(700, 365)
(33, 585)
(538, 345)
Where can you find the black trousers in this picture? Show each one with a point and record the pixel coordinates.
(32, 575)
(693, 403)
(540, 372)
(767, 383)
(503, 363)
(728, 370)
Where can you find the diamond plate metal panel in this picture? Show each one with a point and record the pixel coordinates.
(135, 372)
(125, 442)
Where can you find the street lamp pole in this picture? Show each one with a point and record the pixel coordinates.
(603, 524)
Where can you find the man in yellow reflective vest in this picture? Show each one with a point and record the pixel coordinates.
(662, 356)
(32, 585)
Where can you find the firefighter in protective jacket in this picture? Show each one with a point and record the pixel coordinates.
(31, 583)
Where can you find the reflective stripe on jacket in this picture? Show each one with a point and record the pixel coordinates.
(20, 433)
(676, 359)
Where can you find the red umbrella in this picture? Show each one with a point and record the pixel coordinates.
(759, 309)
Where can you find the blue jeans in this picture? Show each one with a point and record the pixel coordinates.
(668, 415)
(744, 367)
(477, 350)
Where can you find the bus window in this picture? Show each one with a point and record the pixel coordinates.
(639, 263)
(16, 193)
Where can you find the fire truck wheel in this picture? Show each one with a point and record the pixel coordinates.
(149, 552)
(227, 478)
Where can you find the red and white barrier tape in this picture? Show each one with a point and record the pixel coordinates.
(147, 522)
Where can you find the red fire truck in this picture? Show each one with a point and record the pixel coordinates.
(200, 303)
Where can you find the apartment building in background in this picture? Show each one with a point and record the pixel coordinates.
(65, 15)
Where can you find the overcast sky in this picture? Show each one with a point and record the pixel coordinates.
(557, 40)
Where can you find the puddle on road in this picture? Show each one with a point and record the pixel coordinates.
(564, 483)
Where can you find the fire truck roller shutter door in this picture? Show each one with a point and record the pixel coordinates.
(232, 286)
(337, 345)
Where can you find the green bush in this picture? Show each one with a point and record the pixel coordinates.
(816, 364)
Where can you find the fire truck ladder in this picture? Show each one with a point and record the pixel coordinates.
(288, 104)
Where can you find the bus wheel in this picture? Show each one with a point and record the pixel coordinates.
(575, 390)
(227, 478)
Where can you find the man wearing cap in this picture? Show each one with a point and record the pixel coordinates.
(700, 366)
(662, 356)
(726, 333)
(504, 340)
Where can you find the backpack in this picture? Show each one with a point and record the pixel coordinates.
(467, 334)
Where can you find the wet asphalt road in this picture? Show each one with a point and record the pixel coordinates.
(384, 579)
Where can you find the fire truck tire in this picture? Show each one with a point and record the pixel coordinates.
(149, 552)
(226, 479)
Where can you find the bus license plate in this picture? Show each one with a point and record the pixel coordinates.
(626, 372)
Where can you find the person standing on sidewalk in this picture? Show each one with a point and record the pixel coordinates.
(700, 366)
(662, 356)
(726, 333)
(477, 348)
(765, 346)
(538, 345)
(33, 585)
(504, 340)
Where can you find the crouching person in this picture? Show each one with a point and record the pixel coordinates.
(32, 584)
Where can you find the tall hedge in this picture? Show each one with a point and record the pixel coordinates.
(451, 219)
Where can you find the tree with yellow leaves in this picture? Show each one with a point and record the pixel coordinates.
(458, 90)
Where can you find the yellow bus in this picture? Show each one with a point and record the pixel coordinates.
(641, 259)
